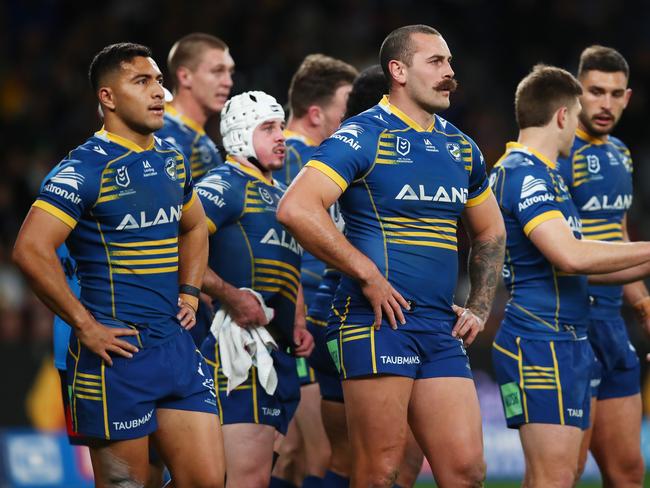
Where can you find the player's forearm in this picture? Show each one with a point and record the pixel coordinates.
(43, 271)
(216, 287)
(317, 233)
(634, 292)
(597, 257)
(485, 264)
(628, 277)
(300, 316)
(193, 255)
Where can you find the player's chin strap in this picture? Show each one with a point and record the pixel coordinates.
(256, 162)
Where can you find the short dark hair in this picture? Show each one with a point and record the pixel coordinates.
(187, 51)
(398, 45)
(111, 58)
(601, 58)
(367, 90)
(544, 90)
(316, 80)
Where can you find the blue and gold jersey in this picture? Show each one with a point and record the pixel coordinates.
(248, 246)
(299, 151)
(599, 175)
(191, 139)
(123, 204)
(404, 188)
(544, 303)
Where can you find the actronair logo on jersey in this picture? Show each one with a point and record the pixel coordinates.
(68, 176)
(349, 135)
(530, 187)
(439, 194)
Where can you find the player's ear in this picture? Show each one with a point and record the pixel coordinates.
(106, 98)
(561, 117)
(184, 77)
(315, 115)
(628, 94)
(397, 71)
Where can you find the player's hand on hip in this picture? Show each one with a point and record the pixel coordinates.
(303, 342)
(187, 308)
(385, 300)
(103, 340)
(468, 324)
(244, 309)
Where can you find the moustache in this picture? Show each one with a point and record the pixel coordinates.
(604, 112)
(449, 84)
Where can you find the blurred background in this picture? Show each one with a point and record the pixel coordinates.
(48, 108)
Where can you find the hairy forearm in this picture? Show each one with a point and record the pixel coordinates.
(317, 233)
(597, 257)
(45, 275)
(193, 255)
(633, 292)
(215, 286)
(485, 263)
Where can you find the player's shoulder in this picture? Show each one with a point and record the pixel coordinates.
(165, 145)
(619, 144)
(519, 166)
(279, 185)
(173, 131)
(446, 128)
(298, 145)
(224, 177)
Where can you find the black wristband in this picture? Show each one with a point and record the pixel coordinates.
(190, 290)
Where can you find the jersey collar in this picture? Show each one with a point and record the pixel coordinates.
(515, 146)
(249, 171)
(386, 105)
(596, 141)
(192, 124)
(123, 141)
(291, 134)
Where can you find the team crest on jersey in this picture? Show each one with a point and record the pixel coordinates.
(453, 149)
(122, 177)
(170, 168)
(266, 195)
(402, 146)
(593, 164)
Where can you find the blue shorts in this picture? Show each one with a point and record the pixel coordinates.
(543, 381)
(120, 402)
(361, 350)
(249, 403)
(321, 361)
(618, 366)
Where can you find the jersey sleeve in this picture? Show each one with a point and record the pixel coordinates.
(223, 200)
(347, 155)
(479, 187)
(529, 197)
(69, 191)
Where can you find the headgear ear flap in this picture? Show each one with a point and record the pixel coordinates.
(241, 115)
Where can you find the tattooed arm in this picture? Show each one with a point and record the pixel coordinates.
(485, 226)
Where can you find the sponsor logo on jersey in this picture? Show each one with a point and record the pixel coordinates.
(271, 412)
(142, 220)
(402, 146)
(441, 194)
(575, 412)
(429, 146)
(348, 134)
(215, 182)
(453, 149)
(546, 197)
(532, 185)
(603, 202)
(147, 169)
(216, 199)
(132, 424)
(99, 149)
(283, 239)
(170, 168)
(68, 176)
(613, 161)
(63, 193)
(400, 359)
(122, 177)
(575, 224)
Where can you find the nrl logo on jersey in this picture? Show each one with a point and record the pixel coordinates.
(621, 202)
(142, 221)
(348, 134)
(284, 239)
(402, 146)
(441, 194)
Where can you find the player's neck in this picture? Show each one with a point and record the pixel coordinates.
(304, 128)
(116, 126)
(583, 128)
(541, 141)
(188, 106)
(403, 102)
(264, 174)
